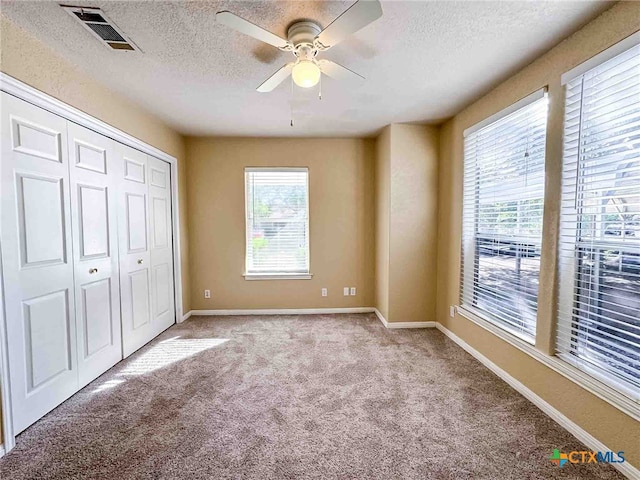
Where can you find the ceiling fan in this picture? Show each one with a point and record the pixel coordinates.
(305, 39)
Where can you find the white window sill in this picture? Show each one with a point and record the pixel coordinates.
(626, 404)
(277, 276)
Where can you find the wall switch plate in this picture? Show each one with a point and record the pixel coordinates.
(452, 311)
(324, 292)
(353, 291)
(346, 291)
(207, 294)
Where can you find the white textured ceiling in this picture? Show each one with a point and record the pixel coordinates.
(423, 61)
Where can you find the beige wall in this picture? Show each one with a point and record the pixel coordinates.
(406, 222)
(382, 199)
(30, 61)
(615, 429)
(341, 207)
(413, 223)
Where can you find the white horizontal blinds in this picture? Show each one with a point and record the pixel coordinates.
(502, 218)
(599, 308)
(277, 221)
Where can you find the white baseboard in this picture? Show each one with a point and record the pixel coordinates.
(312, 311)
(1, 450)
(585, 437)
(283, 311)
(403, 324)
(187, 315)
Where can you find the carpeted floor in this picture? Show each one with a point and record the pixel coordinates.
(331, 396)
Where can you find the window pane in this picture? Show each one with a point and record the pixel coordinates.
(277, 221)
(502, 226)
(599, 320)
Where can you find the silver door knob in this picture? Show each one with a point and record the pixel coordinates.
(140, 261)
(93, 270)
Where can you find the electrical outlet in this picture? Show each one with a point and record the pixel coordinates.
(353, 291)
(207, 294)
(346, 291)
(452, 311)
(324, 292)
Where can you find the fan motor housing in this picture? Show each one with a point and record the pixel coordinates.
(301, 33)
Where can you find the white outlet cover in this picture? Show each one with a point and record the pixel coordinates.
(207, 294)
(346, 291)
(353, 291)
(324, 292)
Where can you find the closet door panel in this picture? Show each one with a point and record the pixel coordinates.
(36, 260)
(133, 231)
(94, 176)
(162, 291)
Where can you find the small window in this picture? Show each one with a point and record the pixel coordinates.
(277, 215)
(599, 303)
(502, 216)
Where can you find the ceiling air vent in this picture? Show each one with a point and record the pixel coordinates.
(94, 20)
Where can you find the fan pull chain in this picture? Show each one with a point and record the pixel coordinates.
(320, 88)
(291, 103)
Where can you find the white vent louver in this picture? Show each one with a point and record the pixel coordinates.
(94, 20)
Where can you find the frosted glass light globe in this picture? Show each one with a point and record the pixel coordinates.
(306, 74)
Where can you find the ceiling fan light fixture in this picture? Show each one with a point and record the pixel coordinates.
(306, 73)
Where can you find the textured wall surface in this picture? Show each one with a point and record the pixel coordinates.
(341, 210)
(615, 429)
(413, 223)
(383, 200)
(406, 222)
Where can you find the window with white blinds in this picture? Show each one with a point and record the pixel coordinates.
(277, 211)
(502, 216)
(599, 304)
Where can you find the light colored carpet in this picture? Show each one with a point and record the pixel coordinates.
(323, 396)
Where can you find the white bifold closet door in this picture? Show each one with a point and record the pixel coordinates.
(94, 172)
(146, 259)
(37, 260)
(87, 254)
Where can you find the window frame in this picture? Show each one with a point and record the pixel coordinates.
(469, 251)
(569, 267)
(284, 275)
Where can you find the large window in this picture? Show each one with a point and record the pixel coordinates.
(277, 214)
(502, 219)
(599, 308)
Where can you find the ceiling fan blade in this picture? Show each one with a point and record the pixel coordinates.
(356, 17)
(244, 26)
(338, 72)
(276, 79)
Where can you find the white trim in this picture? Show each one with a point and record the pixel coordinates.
(283, 311)
(613, 51)
(187, 315)
(584, 380)
(313, 311)
(2, 452)
(5, 382)
(585, 437)
(276, 169)
(277, 276)
(393, 325)
(523, 102)
(29, 94)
